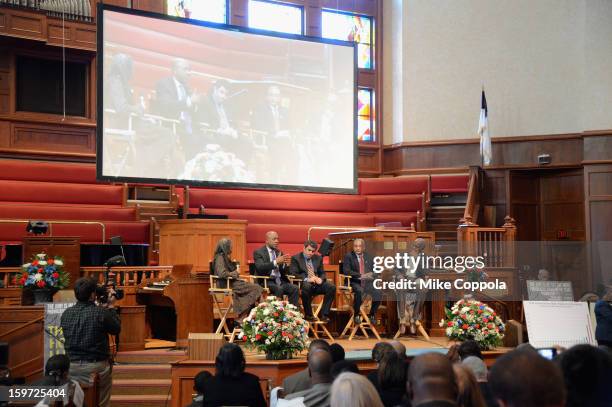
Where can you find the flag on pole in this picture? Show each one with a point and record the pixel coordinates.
(483, 132)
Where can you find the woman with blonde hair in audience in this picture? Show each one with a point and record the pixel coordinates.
(354, 390)
(469, 390)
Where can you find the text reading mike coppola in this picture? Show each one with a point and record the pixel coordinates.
(469, 269)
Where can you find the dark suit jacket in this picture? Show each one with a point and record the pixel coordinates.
(298, 266)
(264, 265)
(209, 115)
(263, 120)
(166, 99)
(603, 314)
(227, 391)
(350, 266)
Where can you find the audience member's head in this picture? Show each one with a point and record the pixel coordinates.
(469, 348)
(230, 361)
(344, 366)
(477, 367)
(543, 275)
(589, 297)
(354, 390)
(523, 378)
(588, 376)
(56, 369)
(199, 380)
(380, 349)
(318, 344)
(431, 378)
(319, 366)
(84, 288)
(337, 352)
(469, 390)
(392, 372)
(399, 348)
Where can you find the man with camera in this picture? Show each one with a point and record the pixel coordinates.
(86, 326)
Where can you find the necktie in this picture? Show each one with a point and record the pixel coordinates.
(361, 269)
(310, 269)
(275, 272)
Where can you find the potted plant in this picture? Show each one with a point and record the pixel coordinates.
(44, 275)
(471, 319)
(276, 328)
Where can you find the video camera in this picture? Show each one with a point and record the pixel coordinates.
(102, 292)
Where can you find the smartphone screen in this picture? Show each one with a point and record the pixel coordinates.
(548, 353)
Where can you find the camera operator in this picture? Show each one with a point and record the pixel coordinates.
(86, 327)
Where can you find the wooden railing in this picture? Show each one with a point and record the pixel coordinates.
(129, 276)
(495, 245)
(7, 274)
(70, 9)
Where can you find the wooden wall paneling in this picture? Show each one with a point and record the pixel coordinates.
(76, 35)
(562, 204)
(5, 81)
(598, 212)
(368, 161)
(155, 6)
(494, 194)
(597, 146)
(22, 138)
(23, 24)
(524, 205)
(239, 10)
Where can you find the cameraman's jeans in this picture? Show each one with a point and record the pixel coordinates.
(81, 372)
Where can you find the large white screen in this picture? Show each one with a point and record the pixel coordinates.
(189, 103)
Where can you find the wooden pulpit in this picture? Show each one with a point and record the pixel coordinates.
(67, 247)
(193, 241)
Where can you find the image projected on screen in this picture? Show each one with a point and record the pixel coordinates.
(203, 105)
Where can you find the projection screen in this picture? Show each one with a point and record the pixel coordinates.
(204, 104)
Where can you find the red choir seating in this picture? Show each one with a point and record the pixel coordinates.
(449, 183)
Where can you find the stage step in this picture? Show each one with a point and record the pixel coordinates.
(129, 400)
(161, 356)
(140, 386)
(136, 371)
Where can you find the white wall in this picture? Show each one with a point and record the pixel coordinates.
(546, 66)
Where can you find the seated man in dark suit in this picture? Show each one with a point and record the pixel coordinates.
(308, 267)
(271, 262)
(358, 265)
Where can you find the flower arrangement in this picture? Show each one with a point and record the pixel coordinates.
(43, 272)
(275, 327)
(470, 319)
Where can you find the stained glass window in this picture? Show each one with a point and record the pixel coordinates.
(275, 17)
(209, 10)
(351, 27)
(365, 115)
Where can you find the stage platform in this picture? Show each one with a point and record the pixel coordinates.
(272, 372)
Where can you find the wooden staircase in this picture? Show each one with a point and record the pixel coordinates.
(444, 220)
(153, 203)
(143, 378)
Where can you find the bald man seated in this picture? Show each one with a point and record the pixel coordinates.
(431, 381)
(271, 262)
(319, 370)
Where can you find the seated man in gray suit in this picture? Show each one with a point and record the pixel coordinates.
(301, 380)
(319, 370)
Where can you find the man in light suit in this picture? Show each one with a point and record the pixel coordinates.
(272, 263)
(358, 265)
(308, 267)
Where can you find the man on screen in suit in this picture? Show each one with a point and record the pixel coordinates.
(272, 263)
(309, 267)
(174, 98)
(358, 265)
